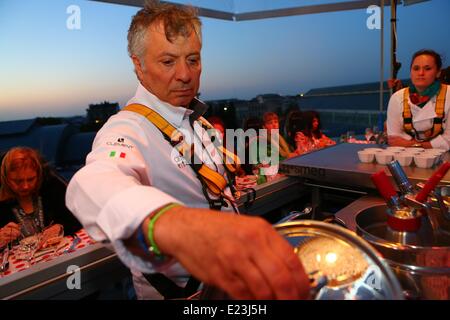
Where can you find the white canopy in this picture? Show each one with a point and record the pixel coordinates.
(241, 10)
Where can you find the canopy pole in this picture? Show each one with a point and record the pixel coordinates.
(395, 65)
(380, 114)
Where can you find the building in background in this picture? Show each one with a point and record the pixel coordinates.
(65, 142)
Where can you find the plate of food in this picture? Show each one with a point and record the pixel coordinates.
(247, 181)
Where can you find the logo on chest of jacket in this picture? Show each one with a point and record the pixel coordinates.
(120, 143)
(180, 162)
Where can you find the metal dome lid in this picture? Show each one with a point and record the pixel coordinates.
(341, 265)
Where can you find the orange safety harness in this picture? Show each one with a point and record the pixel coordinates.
(211, 180)
(437, 128)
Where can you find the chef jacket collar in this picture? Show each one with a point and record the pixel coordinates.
(174, 115)
(426, 112)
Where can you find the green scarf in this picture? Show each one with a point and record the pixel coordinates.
(421, 99)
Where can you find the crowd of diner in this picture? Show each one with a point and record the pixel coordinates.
(301, 133)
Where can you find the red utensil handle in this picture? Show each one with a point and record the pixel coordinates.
(408, 225)
(384, 185)
(433, 182)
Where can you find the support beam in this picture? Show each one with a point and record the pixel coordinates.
(204, 12)
(274, 13)
(320, 8)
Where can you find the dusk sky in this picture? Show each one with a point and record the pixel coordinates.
(46, 69)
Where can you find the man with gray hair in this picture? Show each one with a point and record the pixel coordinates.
(158, 210)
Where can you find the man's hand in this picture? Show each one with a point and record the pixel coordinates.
(244, 256)
(8, 233)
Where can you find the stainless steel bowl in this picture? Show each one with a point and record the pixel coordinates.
(341, 265)
(352, 268)
(424, 268)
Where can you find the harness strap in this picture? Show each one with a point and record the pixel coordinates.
(230, 159)
(437, 121)
(231, 163)
(213, 180)
(155, 118)
(440, 108)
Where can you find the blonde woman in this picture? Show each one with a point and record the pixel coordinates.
(31, 198)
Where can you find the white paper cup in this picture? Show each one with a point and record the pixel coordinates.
(404, 159)
(366, 156)
(424, 160)
(436, 152)
(384, 157)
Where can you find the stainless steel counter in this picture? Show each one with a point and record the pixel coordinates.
(271, 195)
(339, 166)
(98, 266)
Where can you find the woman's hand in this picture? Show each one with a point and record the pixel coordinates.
(400, 142)
(53, 231)
(52, 235)
(8, 233)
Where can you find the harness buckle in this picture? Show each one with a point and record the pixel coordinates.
(217, 204)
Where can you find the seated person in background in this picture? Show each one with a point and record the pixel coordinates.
(265, 162)
(303, 143)
(32, 200)
(418, 115)
(295, 124)
(316, 139)
(271, 122)
(218, 124)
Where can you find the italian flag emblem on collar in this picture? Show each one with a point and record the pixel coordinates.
(114, 154)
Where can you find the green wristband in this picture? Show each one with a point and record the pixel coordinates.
(151, 225)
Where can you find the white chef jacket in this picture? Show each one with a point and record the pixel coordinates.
(422, 119)
(131, 171)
